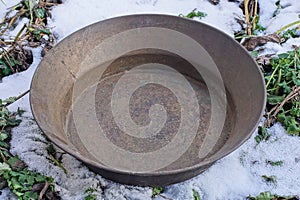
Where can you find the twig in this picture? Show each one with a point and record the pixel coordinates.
(289, 97)
(3, 149)
(43, 190)
(22, 95)
(19, 97)
(275, 110)
(163, 196)
(6, 42)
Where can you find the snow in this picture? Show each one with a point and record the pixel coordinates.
(239, 174)
(77, 14)
(233, 177)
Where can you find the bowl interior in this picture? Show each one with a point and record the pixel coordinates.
(132, 82)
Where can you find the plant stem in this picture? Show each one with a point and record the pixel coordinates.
(271, 89)
(3, 157)
(278, 81)
(287, 26)
(247, 17)
(243, 36)
(272, 75)
(19, 33)
(58, 163)
(254, 15)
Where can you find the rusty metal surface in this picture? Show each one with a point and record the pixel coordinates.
(63, 74)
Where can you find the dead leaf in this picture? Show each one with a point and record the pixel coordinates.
(252, 42)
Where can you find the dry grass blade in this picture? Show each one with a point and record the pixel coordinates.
(251, 11)
(288, 26)
(7, 59)
(247, 16)
(254, 15)
(19, 33)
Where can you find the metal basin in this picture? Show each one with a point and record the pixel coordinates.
(148, 99)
